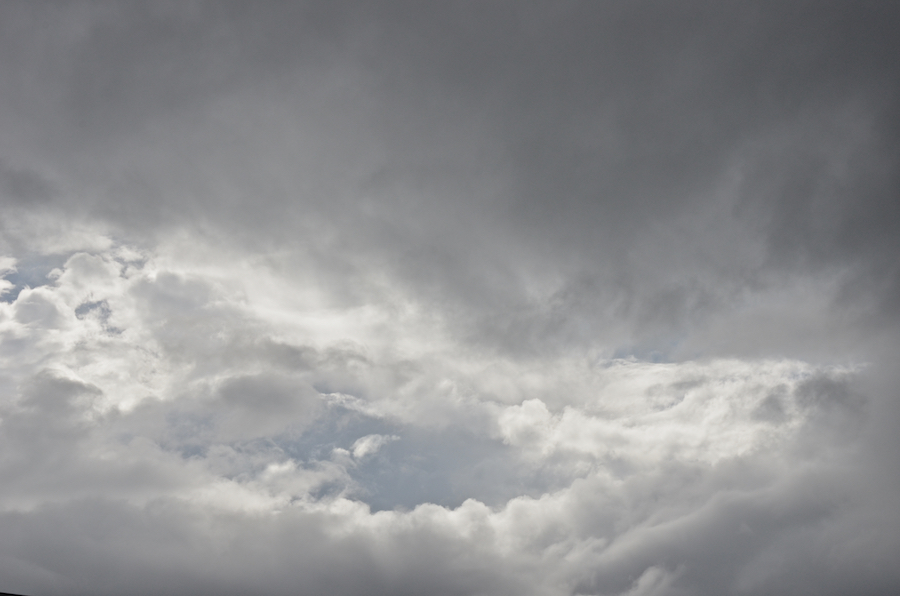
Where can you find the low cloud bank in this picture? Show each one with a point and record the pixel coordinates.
(159, 422)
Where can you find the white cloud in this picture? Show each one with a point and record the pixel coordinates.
(370, 444)
(173, 392)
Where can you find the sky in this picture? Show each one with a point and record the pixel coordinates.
(450, 298)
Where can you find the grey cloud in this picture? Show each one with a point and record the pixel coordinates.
(23, 186)
(408, 562)
(523, 238)
(263, 405)
(50, 438)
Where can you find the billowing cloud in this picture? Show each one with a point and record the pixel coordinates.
(515, 298)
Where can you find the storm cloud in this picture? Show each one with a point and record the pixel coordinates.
(452, 298)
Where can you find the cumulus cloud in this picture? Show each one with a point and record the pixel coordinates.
(511, 298)
(168, 404)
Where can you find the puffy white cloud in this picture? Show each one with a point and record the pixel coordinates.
(174, 400)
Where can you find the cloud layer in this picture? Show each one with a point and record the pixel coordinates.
(463, 299)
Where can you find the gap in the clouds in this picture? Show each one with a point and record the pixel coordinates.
(339, 428)
(444, 467)
(656, 352)
(441, 466)
(31, 271)
(100, 308)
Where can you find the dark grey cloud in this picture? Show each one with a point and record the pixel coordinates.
(473, 152)
(23, 186)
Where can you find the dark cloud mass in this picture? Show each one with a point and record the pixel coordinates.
(532, 298)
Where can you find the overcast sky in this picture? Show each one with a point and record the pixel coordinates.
(449, 298)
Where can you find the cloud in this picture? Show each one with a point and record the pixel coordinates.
(370, 444)
(507, 299)
(679, 477)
